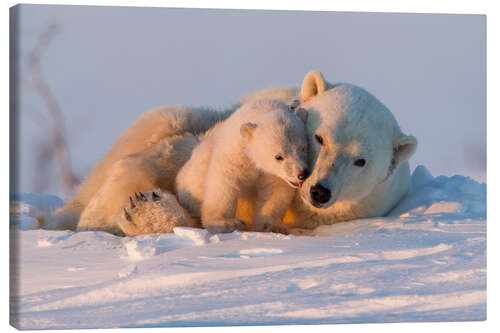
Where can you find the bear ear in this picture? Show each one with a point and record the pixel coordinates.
(302, 114)
(404, 147)
(313, 85)
(247, 129)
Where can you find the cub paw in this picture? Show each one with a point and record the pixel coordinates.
(276, 227)
(153, 212)
(225, 226)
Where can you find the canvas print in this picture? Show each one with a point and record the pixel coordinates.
(217, 167)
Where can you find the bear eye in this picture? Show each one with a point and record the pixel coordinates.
(319, 139)
(360, 162)
(278, 157)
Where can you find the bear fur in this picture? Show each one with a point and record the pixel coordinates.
(351, 123)
(142, 171)
(258, 153)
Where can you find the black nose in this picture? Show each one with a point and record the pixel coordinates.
(304, 174)
(320, 193)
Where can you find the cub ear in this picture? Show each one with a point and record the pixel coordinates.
(313, 85)
(247, 129)
(404, 146)
(302, 114)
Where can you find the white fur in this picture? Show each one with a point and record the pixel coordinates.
(142, 171)
(237, 159)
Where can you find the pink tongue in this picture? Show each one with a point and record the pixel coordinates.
(299, 184)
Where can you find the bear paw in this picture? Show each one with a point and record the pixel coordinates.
(153, 212)
(277, 227)
(225, 226)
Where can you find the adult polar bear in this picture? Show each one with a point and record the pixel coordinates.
(358, 156)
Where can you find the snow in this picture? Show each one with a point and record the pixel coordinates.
(24, 207)
(425, 261)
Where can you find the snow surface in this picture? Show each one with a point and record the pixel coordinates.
(426, 261)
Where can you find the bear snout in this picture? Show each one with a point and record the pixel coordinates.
(304, 174)
(320, 194)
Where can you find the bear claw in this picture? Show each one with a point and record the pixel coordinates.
(127, 215)
(136, 201)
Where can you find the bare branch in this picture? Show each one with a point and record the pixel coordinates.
(67, 178)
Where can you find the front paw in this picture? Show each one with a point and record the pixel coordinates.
(224, 226)
(277, 227)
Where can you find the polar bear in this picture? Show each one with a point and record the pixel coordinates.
(258, 153)
(357, 152)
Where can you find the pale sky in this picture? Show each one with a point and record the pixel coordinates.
(110, 64)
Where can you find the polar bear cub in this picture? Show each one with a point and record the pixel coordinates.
(258, 154)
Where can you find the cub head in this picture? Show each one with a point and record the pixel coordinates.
(276, 143)
(355, 142)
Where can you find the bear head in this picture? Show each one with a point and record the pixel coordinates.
(355, 142)
(276, 142)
